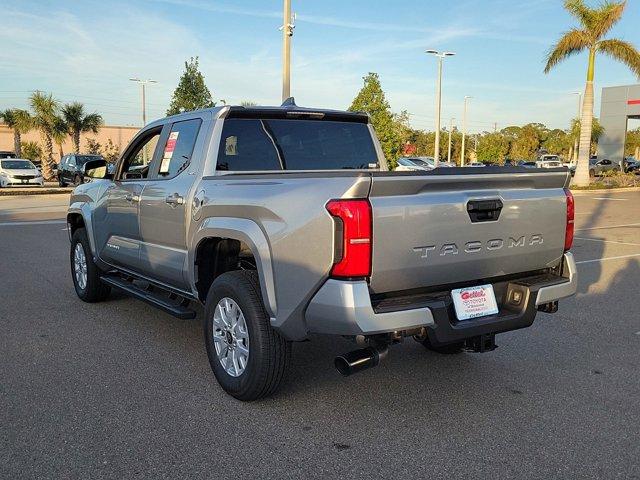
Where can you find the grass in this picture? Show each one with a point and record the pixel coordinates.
(612, 179)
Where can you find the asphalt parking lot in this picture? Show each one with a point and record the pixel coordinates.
(120, 390)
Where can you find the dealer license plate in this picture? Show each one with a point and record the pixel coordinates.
(473, 302)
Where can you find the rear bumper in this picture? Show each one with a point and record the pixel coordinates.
(345, 308)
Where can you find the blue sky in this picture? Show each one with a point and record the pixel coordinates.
(88, 50)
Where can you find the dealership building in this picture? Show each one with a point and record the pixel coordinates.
(618, 105)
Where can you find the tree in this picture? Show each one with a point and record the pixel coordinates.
(191, 92)
(45, 120)
(20, 122)
(595, 23)
(248, 103)
(371, 99)
(93, 147)
(492, 147)
(31, 151)
(59, 134)
(79, 122)
(596, 132)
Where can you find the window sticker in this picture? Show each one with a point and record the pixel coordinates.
(168, 152)
(231, 146)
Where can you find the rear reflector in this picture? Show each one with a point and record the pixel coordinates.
(352, 256)
(571, 212)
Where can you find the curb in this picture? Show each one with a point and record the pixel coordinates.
(8, 192)
(605, 190)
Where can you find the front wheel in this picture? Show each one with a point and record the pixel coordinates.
(85, 273)
(77, 180)
(248, 357)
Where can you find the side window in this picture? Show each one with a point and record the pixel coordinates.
(247, 145)
(177, 152)
(135, 163)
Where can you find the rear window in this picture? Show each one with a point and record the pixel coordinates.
(278, 144)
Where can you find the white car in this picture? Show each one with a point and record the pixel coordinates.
(408, 164)
(19, 172)
(549, 161)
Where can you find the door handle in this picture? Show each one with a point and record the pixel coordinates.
(129, 197)
(174, 199)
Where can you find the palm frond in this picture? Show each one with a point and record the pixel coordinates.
(605, 17)
(579, 10)
(622, 51)
(572, 42)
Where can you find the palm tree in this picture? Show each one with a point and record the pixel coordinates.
(596, 132)
(20, 122)
(45, 108)
(595, 23)
(59, 134)
(80, 122)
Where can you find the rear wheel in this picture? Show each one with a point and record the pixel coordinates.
(248, 357)
(85, 273)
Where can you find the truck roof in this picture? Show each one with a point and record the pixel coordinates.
(287, 110)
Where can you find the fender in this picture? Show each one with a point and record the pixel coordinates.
(83, 208)
(248, 232)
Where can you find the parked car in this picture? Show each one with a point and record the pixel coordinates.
(19, 171)
(631, 165)
(407, 164)
(526, 164)
(7, 154)
(270, 224)
(71, 168)
(548, 161)
(598, 167)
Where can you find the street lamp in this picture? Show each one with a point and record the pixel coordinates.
(464, 128)
(288, 24)
(440, 55)
(144, 107)
(450, 131)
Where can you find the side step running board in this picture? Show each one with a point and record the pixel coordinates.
(148, 295)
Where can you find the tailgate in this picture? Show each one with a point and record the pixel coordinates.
(424, 235)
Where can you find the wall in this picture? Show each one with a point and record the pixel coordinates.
(119, 135)
(617, 105)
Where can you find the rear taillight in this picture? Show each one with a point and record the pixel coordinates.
(352, 256)
(571, 212)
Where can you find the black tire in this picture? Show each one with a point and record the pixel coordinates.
(94, 290)
(449, 349)
(77, 180)
(61, 182)
(269, 352)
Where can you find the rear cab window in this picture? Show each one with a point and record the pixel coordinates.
(177, 151)
(272, 144)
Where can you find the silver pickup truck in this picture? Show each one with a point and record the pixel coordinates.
(284, 222)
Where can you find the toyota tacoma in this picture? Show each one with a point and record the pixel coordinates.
(285, 222)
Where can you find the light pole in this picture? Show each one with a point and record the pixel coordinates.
(575, 142)
(464, 128)
(144, 106)
(440, 55)
(450, 131)
(288, 24)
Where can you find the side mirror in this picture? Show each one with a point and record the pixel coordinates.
(95, 169)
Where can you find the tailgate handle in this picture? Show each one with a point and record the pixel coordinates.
(484, 210)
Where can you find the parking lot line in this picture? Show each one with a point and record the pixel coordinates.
(612, 199)
(607, 241)
(39, 222)
(608, 258)
(608, 226)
